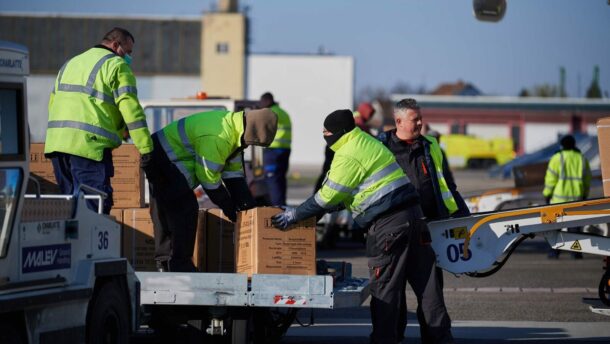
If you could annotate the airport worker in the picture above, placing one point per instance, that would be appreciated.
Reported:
(277, 156)
(93, 104)
(422, 160)
(567, 179)
(365, 178)
(421, 157)
(361, 117)
(204, 148)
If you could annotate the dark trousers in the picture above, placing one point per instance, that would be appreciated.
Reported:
(399, 251)
(275, 163)
(71, 171)
(173, 209)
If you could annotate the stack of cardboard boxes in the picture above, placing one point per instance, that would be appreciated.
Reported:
(254, 244)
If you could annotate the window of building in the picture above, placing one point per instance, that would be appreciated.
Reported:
(222, 48)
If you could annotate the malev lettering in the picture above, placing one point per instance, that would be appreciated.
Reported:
(40, 258)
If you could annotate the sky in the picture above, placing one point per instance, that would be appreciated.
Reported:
(417, 42)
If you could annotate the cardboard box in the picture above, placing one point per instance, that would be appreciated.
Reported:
(215, 241)
(117, 214)
(262, 249)
(127, 183)
(41, 170)
(138, 243)
(603, 139)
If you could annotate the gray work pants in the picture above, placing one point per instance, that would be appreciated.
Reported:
(399, 251)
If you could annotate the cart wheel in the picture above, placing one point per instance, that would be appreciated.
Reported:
(604, 289)
(108, 317)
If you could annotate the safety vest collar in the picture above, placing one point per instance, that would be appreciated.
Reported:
(345, 139)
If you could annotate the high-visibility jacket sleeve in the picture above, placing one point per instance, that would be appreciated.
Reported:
(126, 98)
(234, 168)
(552, 176)
(344, 177)
(211, 154)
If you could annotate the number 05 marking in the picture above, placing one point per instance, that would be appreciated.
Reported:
(455, 252)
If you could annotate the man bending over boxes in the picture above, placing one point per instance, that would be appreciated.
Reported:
(204, 148)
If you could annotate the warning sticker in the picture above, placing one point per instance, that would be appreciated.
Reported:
(576, 246)
(458, 233)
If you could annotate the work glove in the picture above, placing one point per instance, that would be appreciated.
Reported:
(284, 219)
(146, 163)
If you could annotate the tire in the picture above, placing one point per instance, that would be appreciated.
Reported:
(108, 316)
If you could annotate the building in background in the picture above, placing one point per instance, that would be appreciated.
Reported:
(175, 57)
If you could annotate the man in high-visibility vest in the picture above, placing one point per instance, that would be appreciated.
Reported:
(204, 148)
(277, 156)
(422, 160)
(365, 178)
(567, 179)
(93, 105)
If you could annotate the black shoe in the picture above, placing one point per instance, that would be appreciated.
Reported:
(162, 266)
(179, 265)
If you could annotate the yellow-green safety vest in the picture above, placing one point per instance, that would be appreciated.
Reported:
(283, 136)
(200, 146)
(437, 159)
(94, 99)
(363, 171)
(567, 178)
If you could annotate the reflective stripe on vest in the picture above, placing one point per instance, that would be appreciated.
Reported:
(366, 203)
(125, 89)
(86, 127)
(437, 159)
(367, 182)
(137, 125)
(362, 207)
(87, 89)
(173, 158)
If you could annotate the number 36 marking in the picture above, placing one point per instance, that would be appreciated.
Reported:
(103, 240)
(454, 253)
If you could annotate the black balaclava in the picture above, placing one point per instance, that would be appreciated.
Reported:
(567, 142)
(339, 122)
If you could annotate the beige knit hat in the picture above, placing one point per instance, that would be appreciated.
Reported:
(260, 128)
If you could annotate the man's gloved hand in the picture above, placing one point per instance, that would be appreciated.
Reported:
(146, 162)
(284, 219)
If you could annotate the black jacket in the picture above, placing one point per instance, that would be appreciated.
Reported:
(416, 161)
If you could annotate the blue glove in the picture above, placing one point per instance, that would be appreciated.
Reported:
(284, 219)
